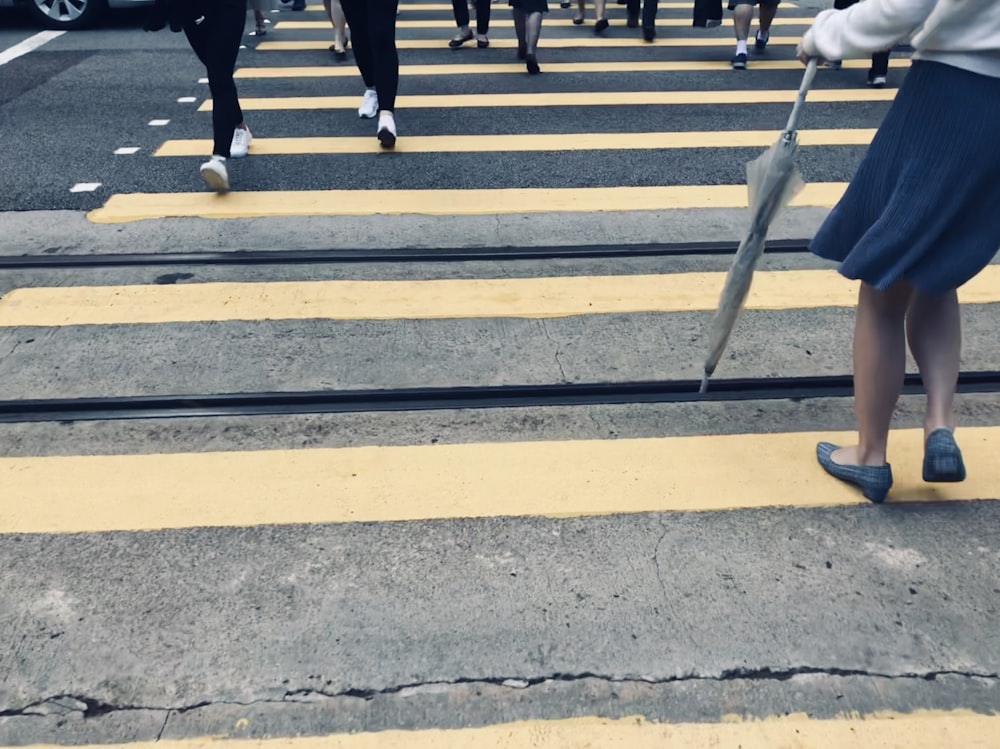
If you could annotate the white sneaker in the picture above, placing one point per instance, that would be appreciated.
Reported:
(215, 175)
(369, 105)
(240, 146)
(386, 130)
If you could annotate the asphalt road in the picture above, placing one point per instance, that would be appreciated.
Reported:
(317, 574)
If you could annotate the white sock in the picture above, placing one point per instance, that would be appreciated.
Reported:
(741, 47)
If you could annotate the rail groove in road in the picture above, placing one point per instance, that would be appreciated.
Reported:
(403, 255)
(447, 398)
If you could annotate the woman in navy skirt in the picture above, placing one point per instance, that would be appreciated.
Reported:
(920, 218)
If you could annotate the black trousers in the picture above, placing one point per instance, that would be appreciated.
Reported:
(880, 60)
(648, 11)
(216, 41)
(461, 8)
(373, 37)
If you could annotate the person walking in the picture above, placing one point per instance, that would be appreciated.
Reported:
(879, 70)
(742, 18)
(528, 26)
(215, 38)
(373, 37)
(918, 220)
(461, 10)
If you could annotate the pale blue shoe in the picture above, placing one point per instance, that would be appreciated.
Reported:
(874, 481)
(942, 459)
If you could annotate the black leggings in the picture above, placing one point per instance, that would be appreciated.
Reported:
(880, 60)
(648, 12)
(373, 37)
(461, 8)
(216, 41)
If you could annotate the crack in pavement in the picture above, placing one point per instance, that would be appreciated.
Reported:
(94, 708)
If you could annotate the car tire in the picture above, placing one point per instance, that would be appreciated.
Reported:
(67, 14)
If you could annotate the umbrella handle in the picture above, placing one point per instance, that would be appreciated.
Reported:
(807, 80)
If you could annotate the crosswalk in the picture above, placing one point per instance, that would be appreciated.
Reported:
(635, 129)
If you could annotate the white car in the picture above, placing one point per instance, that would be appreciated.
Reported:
(71, 14)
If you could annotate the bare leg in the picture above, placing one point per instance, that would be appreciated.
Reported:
(742, 16)
(879, 368)
(600, 10)
(934, 330)
(766, 17)
(580, 9)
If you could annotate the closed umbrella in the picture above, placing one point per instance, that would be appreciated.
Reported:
(772, 181)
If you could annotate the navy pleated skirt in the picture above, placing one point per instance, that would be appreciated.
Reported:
(924, 206)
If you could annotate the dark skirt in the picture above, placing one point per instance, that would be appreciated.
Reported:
(530, 6)
(924, 206)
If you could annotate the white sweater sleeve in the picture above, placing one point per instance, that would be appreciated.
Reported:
(867, 27)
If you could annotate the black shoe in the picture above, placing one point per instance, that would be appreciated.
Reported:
(632, 22)
(601, 26)
(531, 62)
(739, 62)
(648, 33)
(760, 43)
(460, 39)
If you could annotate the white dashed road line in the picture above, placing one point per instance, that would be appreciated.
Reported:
(28, 45)
(85, 187)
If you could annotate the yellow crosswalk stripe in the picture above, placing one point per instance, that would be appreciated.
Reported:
(595, 42)
(539, 142)
(90, 494)
(638, 66)
(923, 729)
(506, 23)
(544, 297)
(568, 99)
(141, 206)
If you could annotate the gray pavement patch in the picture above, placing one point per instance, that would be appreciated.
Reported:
(367, 611)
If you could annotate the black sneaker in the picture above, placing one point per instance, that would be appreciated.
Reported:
(739, 62)
(760, 42)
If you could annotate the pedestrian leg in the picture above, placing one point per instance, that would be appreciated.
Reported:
(460, 8)
(356, 12)
(879, 69)
(879, 369)
(600, 8)
(934, 331)
(649, 8)
(742, 16)
(382, 32)
(335, 12)
(520, 29)
(533, 28)
(483, 10)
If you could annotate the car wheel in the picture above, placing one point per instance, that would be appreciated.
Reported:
(67, 14)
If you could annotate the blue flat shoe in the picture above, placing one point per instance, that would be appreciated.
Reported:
(942, 459)
(874, 481)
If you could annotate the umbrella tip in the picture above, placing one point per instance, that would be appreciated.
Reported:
(704, 384)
